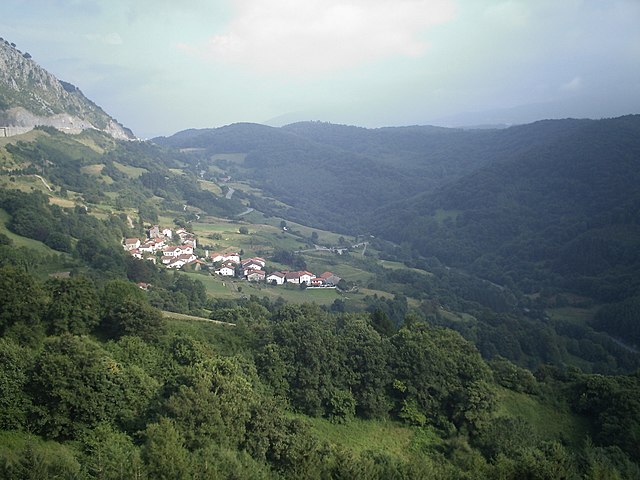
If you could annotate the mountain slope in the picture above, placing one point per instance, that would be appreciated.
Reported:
(30, 96)
(562, 213)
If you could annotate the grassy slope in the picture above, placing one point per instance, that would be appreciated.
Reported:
(549, 421)
(366, 435)
(20, 241)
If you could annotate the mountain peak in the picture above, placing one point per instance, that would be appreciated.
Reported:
(30, 96)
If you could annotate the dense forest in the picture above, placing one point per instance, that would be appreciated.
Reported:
(95, 384)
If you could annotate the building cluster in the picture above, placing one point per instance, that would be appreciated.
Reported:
(254, 270)
(174, 248)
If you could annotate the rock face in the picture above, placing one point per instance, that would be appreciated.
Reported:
(31, 96)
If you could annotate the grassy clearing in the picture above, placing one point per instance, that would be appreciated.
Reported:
(191, 318)
(218, 287)
(320, 296)
(210, 186)
(95, 169)
(62, 202)
(24, 183)
(20, 241)
(547, 420)
(25, 137)
(129, 171)
(365, 435)
(579, 316)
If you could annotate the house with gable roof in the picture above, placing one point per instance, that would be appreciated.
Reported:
(276, 277)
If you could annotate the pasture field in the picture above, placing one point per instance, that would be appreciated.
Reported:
(129, 171)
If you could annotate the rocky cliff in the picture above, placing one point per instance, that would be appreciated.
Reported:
(30, 96)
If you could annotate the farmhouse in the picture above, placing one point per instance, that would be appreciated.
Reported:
(299, 277)
(276, 277)
(131, 244)
(228, 269)
(224, 257)
(256, 276)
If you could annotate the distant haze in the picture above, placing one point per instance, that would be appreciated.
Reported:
(161, 66)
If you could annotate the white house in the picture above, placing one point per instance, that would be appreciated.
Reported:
(228, 269)
(276, 277)
(225, 257)
(299, 277)
(256, 276)
(176, 263)
(251, 265)
(257, 261)
(167, 232)
(173, 251)
(187, 257)
(131, 243)
(306, 277)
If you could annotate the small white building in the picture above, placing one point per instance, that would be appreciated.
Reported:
(131, 244)
(256, 276)
(228, 269)
(276, 277)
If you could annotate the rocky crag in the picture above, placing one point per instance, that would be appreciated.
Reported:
(31, 96)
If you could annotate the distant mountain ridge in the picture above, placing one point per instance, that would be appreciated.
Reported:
(31, 96)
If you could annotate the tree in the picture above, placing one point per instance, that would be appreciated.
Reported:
(164, 452)
(21, 299)
(74, 306)
(111, 455)
(134, 317)
(442, 374)
(15, 362)
(243, 230)
(75, 385)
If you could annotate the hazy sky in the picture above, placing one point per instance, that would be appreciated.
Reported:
(162, 66)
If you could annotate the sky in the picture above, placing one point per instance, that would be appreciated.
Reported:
(161, 66)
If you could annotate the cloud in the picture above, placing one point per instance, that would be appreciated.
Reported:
(317, 36)
(573, 85)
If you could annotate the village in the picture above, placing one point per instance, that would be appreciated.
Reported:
(176, 249)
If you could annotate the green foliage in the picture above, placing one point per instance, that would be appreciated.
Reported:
(164, 452)
(110, 454)
(15, 364)
(133, 317)
(513, 377)
(32, 458)
(21, 299)
(443, 375)
(613, 404)
(621, 319)
(76, 385)
(74, 306)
